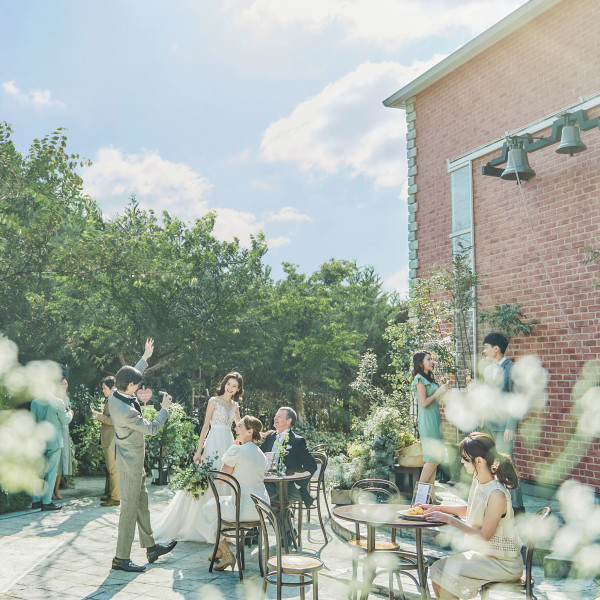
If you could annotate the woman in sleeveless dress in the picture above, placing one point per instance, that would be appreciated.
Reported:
(430, 422)
(493, 547)
(247, 463)
(181, 520)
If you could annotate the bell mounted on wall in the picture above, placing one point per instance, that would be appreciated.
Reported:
(517, 147)
(517, 165)
(570, 141)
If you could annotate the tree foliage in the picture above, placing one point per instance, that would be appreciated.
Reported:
(86, 290)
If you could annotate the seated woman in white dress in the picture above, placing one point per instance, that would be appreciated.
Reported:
(246, 463)
(493, 545)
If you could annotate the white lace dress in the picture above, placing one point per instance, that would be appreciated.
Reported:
(498, 559)
(182, 520)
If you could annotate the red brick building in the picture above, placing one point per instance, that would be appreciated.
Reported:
(519, 78)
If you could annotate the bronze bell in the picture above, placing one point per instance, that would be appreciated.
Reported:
(570, 142)
(517, 163)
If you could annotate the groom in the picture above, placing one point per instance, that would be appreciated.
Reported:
(298, 458)
(130, 427)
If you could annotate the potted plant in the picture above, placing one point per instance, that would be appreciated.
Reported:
(409, 452)
(339, 477)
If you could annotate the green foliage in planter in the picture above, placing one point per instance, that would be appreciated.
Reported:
(405, 439)
(380, 434)
(175, 444)
(335, 441)
(88, 452)
(341, 472)
(13, 502)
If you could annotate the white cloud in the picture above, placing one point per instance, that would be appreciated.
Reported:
(345, 126)
(397, 282)
(158, 183)
(390, 24)
(288, 213)
(262, 186)
(232, 223)
(279, 241)
(36, 98)
(242, 157)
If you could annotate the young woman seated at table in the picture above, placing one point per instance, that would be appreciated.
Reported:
(246, 462)
(493, 548)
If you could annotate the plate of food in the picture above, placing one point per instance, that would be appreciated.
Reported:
(414, 513)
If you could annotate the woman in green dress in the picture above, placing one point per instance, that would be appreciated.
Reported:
(430, 421)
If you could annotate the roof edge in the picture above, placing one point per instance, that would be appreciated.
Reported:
(510, 23)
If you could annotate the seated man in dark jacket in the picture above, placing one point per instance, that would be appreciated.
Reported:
(298, 458)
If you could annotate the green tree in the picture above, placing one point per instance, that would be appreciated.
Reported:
(42, 209)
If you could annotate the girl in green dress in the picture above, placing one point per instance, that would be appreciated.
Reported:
(430, 421)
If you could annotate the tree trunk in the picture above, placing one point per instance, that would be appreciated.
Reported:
(298, 402)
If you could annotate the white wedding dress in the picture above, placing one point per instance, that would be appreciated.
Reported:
(182, 520)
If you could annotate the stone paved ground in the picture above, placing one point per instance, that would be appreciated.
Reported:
(67, 554)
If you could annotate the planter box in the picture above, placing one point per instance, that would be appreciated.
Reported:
(340, 496)
(14, 502)
(411, 456)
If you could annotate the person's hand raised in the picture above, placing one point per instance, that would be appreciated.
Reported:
(148, 349)
(166, 401)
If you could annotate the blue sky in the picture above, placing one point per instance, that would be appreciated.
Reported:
(267, 111)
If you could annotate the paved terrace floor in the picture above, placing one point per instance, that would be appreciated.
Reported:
(67, 555)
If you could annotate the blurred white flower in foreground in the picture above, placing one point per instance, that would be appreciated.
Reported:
(576, 539)
(22, 446)
(22, 440)
(483, 402)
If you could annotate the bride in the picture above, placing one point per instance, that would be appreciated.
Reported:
(181, 520)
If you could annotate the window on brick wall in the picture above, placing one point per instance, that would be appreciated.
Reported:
(462, 241)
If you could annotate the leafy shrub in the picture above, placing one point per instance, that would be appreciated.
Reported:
(336, 441)
(13, 502)
(341, 472)
(89, 456)
(175, 444)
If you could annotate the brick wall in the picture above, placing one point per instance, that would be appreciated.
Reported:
(529, 75)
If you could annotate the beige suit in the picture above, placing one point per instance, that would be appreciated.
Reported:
(130, 428)
(107, 433)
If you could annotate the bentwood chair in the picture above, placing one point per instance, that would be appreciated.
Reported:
(236, 530)
(303, 569)
(319, 448)
(371, 491)
(521, 585)
(314, 480)
(319, 486)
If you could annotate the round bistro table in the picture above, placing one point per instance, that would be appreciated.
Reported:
(284, 504)
(386, 515)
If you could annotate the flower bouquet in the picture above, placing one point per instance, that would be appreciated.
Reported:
(194, 479)
(281, 452)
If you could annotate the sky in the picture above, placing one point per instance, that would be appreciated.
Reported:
(267, 111)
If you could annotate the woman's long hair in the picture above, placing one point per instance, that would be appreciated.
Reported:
(418, 359)
(478, 444)
(233, 375)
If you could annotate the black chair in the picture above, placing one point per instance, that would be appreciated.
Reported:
(526, 584)
(318, 487)
(236, 530)
(304, 567)
(371, 491)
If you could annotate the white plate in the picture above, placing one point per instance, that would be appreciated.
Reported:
(402, 514)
